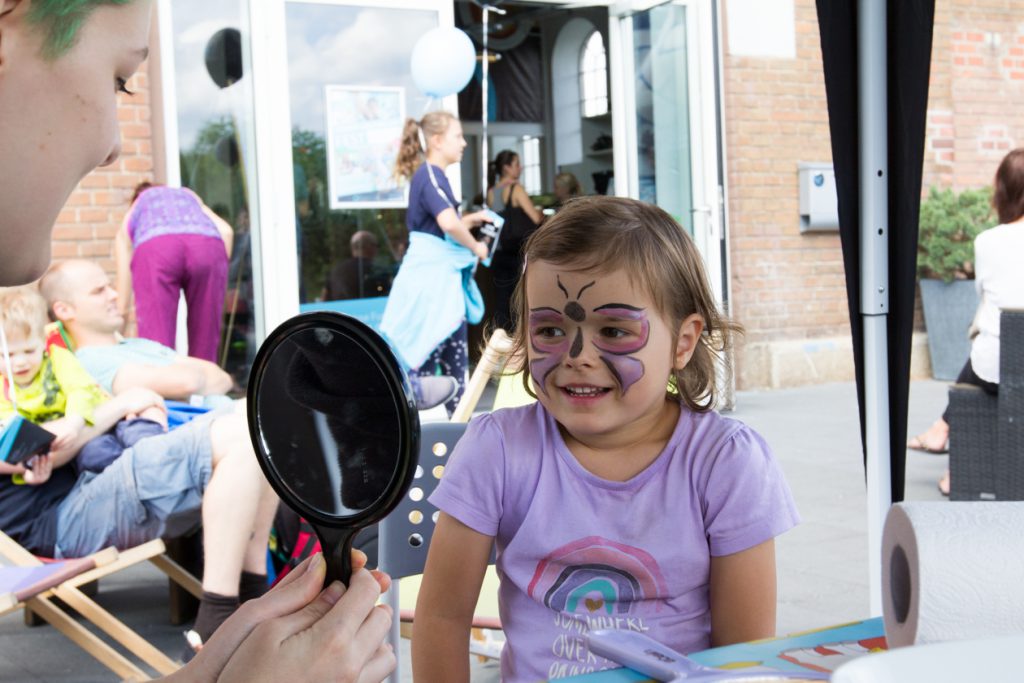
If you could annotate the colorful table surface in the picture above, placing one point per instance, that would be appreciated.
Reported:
(818, 650)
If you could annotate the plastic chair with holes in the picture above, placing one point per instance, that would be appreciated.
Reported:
(405, 536)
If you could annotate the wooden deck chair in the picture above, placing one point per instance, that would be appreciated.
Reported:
(33, 588)
(405, 536)
(103, 563)
(491, 362)
(182, 583)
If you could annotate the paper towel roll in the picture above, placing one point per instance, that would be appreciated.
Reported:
(952, 571)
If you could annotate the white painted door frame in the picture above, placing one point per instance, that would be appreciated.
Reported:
(704, 93)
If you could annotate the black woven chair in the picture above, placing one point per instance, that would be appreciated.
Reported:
(986, 433)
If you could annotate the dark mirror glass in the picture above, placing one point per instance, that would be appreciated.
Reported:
(334, 426)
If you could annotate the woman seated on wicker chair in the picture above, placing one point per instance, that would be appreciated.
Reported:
(1000, 282)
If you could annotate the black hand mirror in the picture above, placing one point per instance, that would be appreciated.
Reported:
(334, 426)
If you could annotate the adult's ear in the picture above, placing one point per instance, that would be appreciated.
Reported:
(63, 311)
(689, 336)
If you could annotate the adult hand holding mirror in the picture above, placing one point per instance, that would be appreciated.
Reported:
(334, 426)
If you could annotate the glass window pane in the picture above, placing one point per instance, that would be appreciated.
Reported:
(594, 76)
(215, 117)
(350, 225)
(529, 153)
(662, 111)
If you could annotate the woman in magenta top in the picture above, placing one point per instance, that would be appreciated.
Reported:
(171, 242)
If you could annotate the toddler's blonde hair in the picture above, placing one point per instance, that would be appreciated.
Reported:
(23, 312)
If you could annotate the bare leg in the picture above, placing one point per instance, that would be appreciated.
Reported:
(237, 507)
(255, 559)
(934, 440)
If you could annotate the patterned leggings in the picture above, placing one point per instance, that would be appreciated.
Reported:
(451, 357)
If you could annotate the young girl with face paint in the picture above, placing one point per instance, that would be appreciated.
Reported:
(619, 499)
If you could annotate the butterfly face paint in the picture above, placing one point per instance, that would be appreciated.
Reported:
(555, 335)
(617, 347)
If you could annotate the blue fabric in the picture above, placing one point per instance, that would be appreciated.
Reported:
(425, 203)
(432, 294)
(179, 412)
(99, 452)
(130, 501)
(103, 362)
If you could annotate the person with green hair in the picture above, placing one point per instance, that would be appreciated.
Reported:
(62, 65)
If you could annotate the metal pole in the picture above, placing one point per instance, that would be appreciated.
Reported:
(484, 156)
(485, 83)
(874, 274)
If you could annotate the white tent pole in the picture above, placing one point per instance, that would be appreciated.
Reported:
(874, 274)
(485, 86)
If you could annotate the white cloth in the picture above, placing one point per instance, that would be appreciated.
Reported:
(1000, 282)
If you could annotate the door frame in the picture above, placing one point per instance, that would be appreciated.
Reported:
(706, 135)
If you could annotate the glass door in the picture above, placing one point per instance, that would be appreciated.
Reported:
(664, 96)
(336, 91)
(207, 145)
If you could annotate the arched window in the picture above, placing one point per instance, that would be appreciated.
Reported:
(594, 76)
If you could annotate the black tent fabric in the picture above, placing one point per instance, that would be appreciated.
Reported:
(909, 43)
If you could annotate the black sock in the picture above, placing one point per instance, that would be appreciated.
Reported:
(213, 611)
(251, 586)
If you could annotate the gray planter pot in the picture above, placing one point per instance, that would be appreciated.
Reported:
(948, 311)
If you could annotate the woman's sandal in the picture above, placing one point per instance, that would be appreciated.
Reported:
(918, 443)
(944, 484)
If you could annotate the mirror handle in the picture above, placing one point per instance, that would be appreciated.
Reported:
(337, 548)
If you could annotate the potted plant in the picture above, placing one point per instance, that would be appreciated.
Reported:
(949, 223)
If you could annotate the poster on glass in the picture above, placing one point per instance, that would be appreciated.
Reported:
(364, 131)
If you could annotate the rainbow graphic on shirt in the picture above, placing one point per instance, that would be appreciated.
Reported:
(597, 576)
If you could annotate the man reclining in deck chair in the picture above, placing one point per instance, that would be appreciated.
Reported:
(81, 299)
(79, 296)
(206, 465)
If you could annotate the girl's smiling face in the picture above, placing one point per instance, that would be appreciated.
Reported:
(600, 354)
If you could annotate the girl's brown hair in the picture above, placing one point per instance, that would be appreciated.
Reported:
(140, 188)
(1008, 197)
(605, 234)
(411, 152)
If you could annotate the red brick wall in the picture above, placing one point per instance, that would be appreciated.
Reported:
(976, 102)
(86, 226)
(788, 287)
(785, 285)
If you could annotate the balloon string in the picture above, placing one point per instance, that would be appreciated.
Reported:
(430, 101)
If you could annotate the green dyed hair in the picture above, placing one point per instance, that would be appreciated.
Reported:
(60, 20)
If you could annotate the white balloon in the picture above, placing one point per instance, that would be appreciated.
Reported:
(443, 61)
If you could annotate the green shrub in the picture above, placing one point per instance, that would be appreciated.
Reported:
(948, 225)
(544, 201)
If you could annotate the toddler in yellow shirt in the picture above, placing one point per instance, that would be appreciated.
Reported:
(49, 386)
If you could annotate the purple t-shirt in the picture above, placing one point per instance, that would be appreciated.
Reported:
(577, 552)
(425, 202)
(162, 210)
